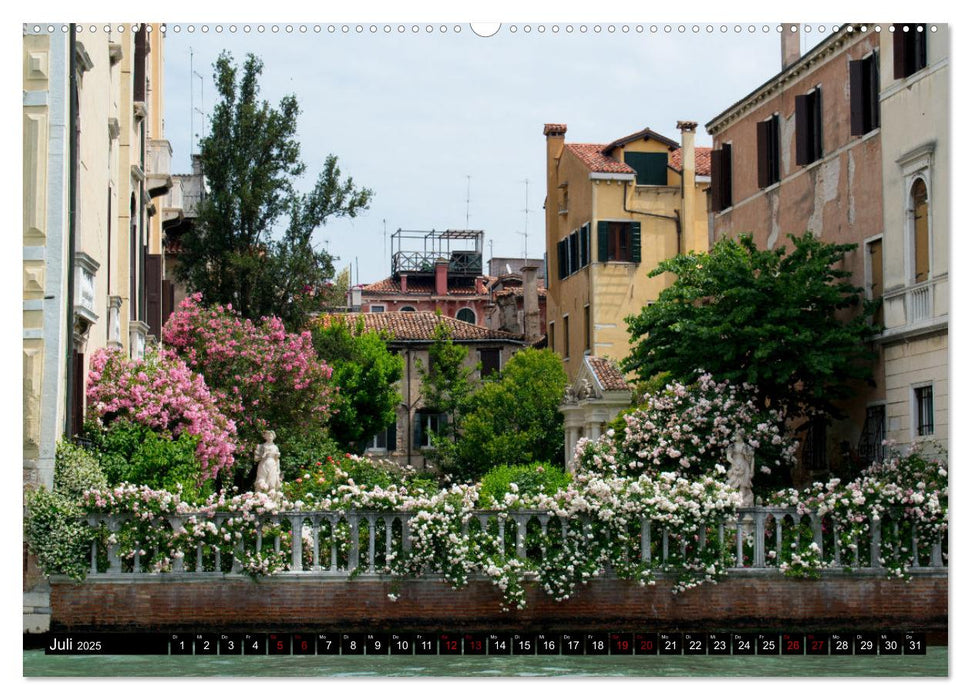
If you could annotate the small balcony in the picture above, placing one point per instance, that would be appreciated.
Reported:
(915, 308)
(158, 167)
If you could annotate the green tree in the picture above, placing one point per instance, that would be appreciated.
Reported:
(515, 419)
(365, 373)
(239, 252)
(787, 321)
(446, 383)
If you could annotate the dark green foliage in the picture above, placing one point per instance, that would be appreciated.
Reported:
(446, 384)
(530, 479)
(787, 321)
(76, 470)
(55, 533)
(135, 454)
(299, 452)
(53, 529)
(514, 419)
(251, 159)
(365, 373)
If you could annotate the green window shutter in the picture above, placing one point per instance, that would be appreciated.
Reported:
(652, 168)
(635, 241)
(602, 241)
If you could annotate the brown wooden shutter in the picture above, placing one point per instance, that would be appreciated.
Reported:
(858, 99)
(77, 398)
(168, 299)
(803, 127)
(899, 52)
(153, 293)
(726, 175)
(872, 74)
(763, 138)
(716, 181)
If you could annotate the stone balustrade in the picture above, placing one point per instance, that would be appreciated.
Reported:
(345, 544)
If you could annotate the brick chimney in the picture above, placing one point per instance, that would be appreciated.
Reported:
(790, 45)
(404, 282)
(441, 277)
(530, 305)
(687, 182)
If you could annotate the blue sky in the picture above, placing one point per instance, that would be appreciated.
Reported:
(429, 120)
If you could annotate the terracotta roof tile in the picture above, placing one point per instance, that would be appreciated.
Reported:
(419, 287)
(592, 156)
(607, 373)
(702, 160)
(420, 325)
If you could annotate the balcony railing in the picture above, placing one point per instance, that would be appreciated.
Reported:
(345, 544)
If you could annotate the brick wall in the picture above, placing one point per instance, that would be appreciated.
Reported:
(744, 601)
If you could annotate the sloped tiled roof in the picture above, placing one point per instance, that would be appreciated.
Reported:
(592, 156)
(607, 373)
(638, 135)
(419, 287)
(420, 325)
(702, 160)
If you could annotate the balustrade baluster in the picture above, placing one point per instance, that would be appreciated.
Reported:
(406, 533)
(178, 565)
(664, 546)
(875, 536)
(333, 543)
(388, 527)
(296, 549)
(521, 522)
(199, 551)
(645, 539)
(354, 557)
(372, 520)
(836, 544)
(913, 544)
(739, 552)
(759, 554)
(315, 529)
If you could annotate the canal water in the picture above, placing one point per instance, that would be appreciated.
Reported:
(933, 664)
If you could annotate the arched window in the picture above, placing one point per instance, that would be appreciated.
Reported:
(466, 314)
(407, 308)
(919, 223)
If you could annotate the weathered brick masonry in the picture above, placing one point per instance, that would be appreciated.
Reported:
(743, 601)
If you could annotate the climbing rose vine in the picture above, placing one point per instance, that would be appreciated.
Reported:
(687, 429)
(260, 375)
(162, 393)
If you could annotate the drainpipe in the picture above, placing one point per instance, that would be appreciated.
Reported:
(72, 220)
(676, 218)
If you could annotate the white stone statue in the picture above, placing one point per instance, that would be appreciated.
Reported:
(268, 472)
(741, 456)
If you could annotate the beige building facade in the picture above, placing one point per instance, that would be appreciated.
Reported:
(92, 104)
(613, 212)
(915, 108)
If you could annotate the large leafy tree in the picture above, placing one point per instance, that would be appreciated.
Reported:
(446, 383)
(365, 374)
(787, 321)
(515, 419)
(252, 246)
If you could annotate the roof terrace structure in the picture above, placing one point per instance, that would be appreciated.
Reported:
(416, 252)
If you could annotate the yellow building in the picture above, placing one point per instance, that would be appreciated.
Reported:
(613, 212)
(93, 165)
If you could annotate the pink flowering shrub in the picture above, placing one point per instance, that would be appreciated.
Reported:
(260, 375)
(163, 394)
(687, 429)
